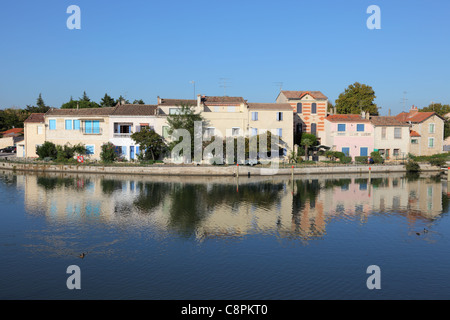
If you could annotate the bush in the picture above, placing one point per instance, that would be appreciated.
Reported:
(67, 152)
(376, 156)
(412, 166)
(346, 159)
(108, 153)
(47, 150)
(361, 159)
(333, 155)
(438, 162)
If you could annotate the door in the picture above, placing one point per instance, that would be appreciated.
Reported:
(132, 152)
(313, 128)
(346, 151)
(364, 152)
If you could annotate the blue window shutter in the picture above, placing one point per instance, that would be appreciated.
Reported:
(89, 149)
(96, 126)
(88, 126)
(346, 151)
(68, 125)
(363, 152)
(124, 150)
(52, 124)
(360, 127)
(137, 150)
(76, 124)
(341, 127)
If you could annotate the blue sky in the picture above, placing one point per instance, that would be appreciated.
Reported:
(145, 49)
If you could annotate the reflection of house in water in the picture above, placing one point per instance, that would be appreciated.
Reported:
(207, 207)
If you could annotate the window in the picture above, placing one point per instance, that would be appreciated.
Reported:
(299, 107)
(90, 149)
(397, 133)
(360, 127)
(341, 127)
(279, 116)
(431, 128)
(68, 124)
(313, 107)
(39, 130)
(383, 133)
(414, 141)
(363, 151)
(280, 132)
(254, 132)
(396, 152)
(235, 131)
(254, 116)
(174, 110)
(430, 142)
(92, 126)
(313, 128)
(231, 109)
(52, 124)
(165, 132)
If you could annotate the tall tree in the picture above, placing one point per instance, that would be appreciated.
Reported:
(308, 140)
(140, 101)
(356, 98)
(85, 97)
(152, 144)
(122, 100)
(107, 101)
(39, 108)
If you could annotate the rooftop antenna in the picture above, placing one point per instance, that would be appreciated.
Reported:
(193, 82)
(404, 101)
(279, 84)
(224, 85)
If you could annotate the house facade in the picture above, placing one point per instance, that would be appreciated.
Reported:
(352, 134)
(310, 111)
(34, 136)
(88, 126)
(426, 131)
(391, 137)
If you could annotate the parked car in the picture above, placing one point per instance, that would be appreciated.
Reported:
(10, 149)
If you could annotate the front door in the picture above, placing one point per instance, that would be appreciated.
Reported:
(132, 152)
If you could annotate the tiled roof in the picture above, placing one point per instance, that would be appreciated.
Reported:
(413, 133)
(386, 121)
(36, 118)
(217, 100)
(135, 110)
(177, 102)
(346, 118)
(300, 94)
(81, 112)
(269, 106)
(414, 117)
(12, 131)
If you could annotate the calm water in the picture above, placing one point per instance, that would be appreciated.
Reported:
(219, 238)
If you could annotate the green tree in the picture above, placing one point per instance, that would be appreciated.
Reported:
(152, 144)
(308, 140)
(108, 153)
(85, 97)
(40, 107)
(356, 98)
(184, 119)
(107, 101)
(47, 150)
(140, 101)
(122, 100)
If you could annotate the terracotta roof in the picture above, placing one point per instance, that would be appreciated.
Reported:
(346, 118)
(386, 121)
(36, 118)
(413, 133)
(81, 112)
(300, 94)
(414, 117)
(269, 106)
(12, 131)
(177, 102)
(135, 110)
(217, 100)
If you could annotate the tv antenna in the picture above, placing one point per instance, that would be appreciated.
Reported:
(279, 84)
(193, 82)
(404, 101)
(224, 85)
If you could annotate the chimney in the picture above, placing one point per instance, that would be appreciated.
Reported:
(363, 114)
(199, 100)
(389, 112)
(367, 115)
(413, 110)
(159, 100)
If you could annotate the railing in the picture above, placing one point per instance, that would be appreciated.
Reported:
(122, 135)
(93, 131)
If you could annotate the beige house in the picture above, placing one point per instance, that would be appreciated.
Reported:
(391, 137)
(34, 135)
(88, 126)
(426, 131)
(234, 116)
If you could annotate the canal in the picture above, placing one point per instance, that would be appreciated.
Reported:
(259, 238)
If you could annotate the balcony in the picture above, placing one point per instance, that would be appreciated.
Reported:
(351, 134)
(92, 131)
(122, 135)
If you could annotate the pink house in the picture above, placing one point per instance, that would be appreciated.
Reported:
(352, 134)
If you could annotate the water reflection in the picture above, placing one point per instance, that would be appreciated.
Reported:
(208, 207)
